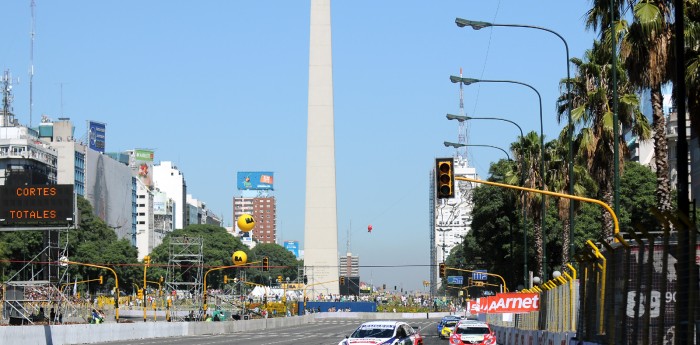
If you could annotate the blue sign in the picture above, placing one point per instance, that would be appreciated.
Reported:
(255, 180)
(479, 275)
(292, 246)
(96, 136)
(457, 280)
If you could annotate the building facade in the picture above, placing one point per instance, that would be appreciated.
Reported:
(450, 219)
(170, 180)
(264, 211)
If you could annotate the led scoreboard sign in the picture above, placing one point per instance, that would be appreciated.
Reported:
(36, 205)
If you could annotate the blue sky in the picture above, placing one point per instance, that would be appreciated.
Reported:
(221, 86)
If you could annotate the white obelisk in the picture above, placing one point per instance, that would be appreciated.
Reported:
(321, 225)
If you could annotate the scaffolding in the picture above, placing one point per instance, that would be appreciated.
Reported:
(185, 277)
(32, 295)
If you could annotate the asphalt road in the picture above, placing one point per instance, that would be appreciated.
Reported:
(321, 332)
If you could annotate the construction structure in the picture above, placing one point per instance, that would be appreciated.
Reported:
(185, 275)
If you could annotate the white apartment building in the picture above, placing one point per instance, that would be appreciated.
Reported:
(145, 234)
(168, 179)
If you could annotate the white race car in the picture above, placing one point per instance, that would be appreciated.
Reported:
(384, 333)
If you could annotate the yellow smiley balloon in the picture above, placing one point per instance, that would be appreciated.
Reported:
(246, 222)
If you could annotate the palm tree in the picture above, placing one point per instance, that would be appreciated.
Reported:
(528, 155)
(558, 181)
(692, 64)
(592, 114)
(646, 51)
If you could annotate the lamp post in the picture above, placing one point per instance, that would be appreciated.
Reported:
(464, 118)
(476, 25)
(456, 145)
(469, 81)
(522, 181)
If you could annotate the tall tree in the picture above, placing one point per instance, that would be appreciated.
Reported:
(528, 155)
(558, 181)
(647, 51)
(592, 114)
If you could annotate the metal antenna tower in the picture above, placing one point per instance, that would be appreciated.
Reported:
(461, 136)
(31, 64)
(7, 118)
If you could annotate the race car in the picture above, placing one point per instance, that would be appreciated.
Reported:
(447, 329)
(384, 333)
(472, 332)
(444, 320)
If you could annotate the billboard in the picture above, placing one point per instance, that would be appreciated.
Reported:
(160, 203)
(96, 136)
(255, 180)
(292, 246)
(142, 164)
(36, 205)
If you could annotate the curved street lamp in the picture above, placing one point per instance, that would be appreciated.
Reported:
(469, 81)
(456, 145)
(476, 25)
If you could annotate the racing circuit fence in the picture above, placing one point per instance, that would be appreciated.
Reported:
(622, 293)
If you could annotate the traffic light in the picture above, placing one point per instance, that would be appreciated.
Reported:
(139, 294)
(342, 280)
(305, 280)
(442, 270)
(444, 177)
(279, 279)
(101, 281)
(147, 260)
(266, 264)
(225, 279)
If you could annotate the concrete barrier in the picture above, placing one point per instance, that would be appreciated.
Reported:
(91, 333)
(112, 331)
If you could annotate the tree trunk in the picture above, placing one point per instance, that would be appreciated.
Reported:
(608, 223)
(539, 246)
(663, 185)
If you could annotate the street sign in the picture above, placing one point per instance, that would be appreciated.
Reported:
(457, 280)
(479, 275)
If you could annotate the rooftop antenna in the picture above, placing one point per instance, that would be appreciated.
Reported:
(7, 117)
(31, 64)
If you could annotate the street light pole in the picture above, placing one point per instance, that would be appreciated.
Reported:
(464, 118)
(476, 25)
(469, 81)
(522, 182)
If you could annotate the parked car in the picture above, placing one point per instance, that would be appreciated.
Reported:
(384, 332)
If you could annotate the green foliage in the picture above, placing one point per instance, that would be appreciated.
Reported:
(282, 263)
(217, 251)
(637, 197)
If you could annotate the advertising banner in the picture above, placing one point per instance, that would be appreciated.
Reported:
(143, 165)
(255, 180)
(506, 303)
(96, 136)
